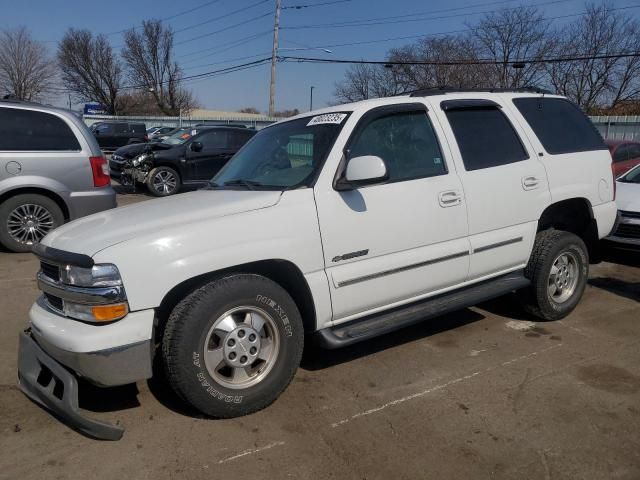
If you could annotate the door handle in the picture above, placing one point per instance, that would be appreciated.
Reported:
(449, 198)
(530, 182)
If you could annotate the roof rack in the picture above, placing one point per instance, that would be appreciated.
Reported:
(442, 90)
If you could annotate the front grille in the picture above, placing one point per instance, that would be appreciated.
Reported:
(630, 214)
(50, 271)
(628, 230)
(54, 302)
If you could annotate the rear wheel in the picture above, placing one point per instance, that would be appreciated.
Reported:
(558, 270)
(163, 181)
(26, 219)
(231, 347)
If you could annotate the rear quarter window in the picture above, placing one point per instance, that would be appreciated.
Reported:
(29, 131)
(560, 125)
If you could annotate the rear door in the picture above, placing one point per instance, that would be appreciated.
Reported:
(505, 184)
(121, 135)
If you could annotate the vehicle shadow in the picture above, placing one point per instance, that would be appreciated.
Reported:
(509, 306)
(629, 290)
(628, 257)
(316, 358)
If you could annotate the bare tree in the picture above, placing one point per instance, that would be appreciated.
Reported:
(26, 71)
(510, 36)
(286, 113)
(364, 81)
(249, 110)
(453, 51)
(597, 83)
(148, 54)
(90, 69)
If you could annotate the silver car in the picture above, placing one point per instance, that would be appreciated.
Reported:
(51, 171)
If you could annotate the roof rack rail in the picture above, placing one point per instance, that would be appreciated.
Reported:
(442, 90)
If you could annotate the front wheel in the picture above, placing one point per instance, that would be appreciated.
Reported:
(232, 346)
(558, 270)
(163, 181)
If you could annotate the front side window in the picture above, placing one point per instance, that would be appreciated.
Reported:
(560, 125)
(28, 130)
(285, 155)
(405, 141)
(485, 137)
(213, 139)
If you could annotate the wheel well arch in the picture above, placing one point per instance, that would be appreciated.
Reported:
(573, 215)
(283, 272)
(168, 164)
(39, 191)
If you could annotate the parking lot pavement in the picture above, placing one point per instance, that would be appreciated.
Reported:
(482, 393)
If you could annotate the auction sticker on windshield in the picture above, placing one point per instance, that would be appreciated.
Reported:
(335, 118)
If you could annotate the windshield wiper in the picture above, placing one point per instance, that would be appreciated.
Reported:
(250, 184)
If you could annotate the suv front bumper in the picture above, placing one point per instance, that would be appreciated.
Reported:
(52, 386)
(56, 349)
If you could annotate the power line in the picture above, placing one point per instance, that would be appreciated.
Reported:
(212, 20)
(299, 7)
(170, 17)
(450, 32)
(244, 22)
(231, 60)
(205, 74)
(386, 21)
(559, 59)
(231, 44)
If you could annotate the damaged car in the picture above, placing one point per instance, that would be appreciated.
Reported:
(189, 157)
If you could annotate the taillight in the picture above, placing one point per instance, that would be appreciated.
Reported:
(100, 171)
(146, 138)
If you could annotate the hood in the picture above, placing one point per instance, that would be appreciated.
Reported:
(135, 149)
(96, 232)
(628, 196)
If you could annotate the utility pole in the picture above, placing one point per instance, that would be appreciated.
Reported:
(311, 99)
(274, 59)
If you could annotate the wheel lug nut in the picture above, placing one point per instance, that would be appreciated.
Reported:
(231, 342)
(240, 333)
(252, 337)
(232, 355)
(243, 359)
(253, 350)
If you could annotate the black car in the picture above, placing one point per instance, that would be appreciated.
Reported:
(191, 156)
(112, 135)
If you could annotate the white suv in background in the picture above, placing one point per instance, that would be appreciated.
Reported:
(342, 224)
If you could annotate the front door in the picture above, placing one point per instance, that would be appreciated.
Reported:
(214, 154)
(403, 239)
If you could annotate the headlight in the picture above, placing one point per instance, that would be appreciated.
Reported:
(93, 294)
(101, 275)
(136, 162)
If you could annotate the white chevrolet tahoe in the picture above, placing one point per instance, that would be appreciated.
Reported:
(342, 224)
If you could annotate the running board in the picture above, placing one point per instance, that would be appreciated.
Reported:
(399, 317)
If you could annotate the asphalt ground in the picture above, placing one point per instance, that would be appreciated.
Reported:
(485, 392)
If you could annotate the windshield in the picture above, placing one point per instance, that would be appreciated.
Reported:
(283, 156)
(179, 137)
(633, 176)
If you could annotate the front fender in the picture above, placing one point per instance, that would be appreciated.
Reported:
(152, 264)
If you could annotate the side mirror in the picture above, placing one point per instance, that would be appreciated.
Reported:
(364, 170)
(196, 147)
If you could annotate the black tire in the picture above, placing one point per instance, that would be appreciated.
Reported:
(183, 344)
(157, 189)
(549, 246)
(28, 201)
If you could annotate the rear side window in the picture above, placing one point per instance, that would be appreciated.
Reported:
(29, 131)
(138, 128)
(560, 125)
(485, 137)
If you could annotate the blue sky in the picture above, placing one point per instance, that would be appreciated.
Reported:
(247, 36)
